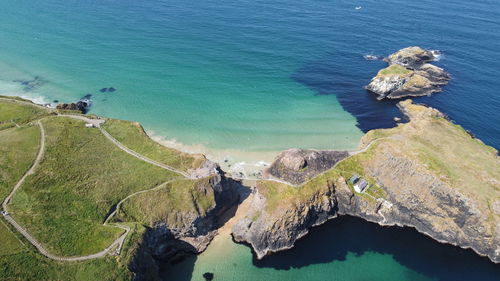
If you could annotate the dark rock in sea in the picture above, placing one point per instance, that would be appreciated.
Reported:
(111, 89)
(298, 165)
(56, 101)
(409, 74)
(30, 84)
(103, 90)
(82, 105)
(208, 276)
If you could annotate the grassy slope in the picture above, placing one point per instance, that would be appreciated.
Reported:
(18, 149)
(12, 113)
(450, 153)
(279, 195)
(132, 135)
(394, 69)
(81, 176)
(163, 204)
(32, 266)
(9, 241)
(19, 262)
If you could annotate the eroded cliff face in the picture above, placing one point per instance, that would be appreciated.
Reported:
(273, 230)
(185, 231)
(418, 179)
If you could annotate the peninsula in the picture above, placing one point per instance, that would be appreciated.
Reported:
(85, 195)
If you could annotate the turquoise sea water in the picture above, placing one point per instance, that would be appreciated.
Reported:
(248, 78)
(249, 75)
(344, 249)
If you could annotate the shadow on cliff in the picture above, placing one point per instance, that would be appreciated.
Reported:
(335, 239)
(181, 266)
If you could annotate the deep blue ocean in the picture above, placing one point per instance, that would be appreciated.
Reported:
(241, 80)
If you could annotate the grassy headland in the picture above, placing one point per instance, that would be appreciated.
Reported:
(79, 179)
(133, 136)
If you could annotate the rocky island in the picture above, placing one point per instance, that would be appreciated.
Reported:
(429, 174)
(409, 74)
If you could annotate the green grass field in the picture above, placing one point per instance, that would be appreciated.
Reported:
(81, 177)
(31, 266)
(12, 113)
(10, 244)
(132, 135)
(163, 204)
(394, 69)
(18, 150)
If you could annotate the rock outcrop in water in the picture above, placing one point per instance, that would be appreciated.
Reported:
(298, 165)
(409, 74)
(428, 174)
(82, 105)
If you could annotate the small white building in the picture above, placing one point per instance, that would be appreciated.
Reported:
(89, 125)
(360, 185)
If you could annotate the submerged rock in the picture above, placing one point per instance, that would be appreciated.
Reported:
(208, 276)
(110, 90)
(30, 84)
(409, 74)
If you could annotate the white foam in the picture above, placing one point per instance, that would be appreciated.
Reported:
(371, 57)
(261, 164)
(437, 55)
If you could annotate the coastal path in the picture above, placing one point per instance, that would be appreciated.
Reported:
(97, 123)
(117, 244)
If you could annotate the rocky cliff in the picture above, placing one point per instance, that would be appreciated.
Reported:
(298, 165)
(428, 174)
(409, 74)
(186, 228)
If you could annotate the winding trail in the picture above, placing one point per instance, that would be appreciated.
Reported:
(112, 214)
(118, 243)
(97, 123)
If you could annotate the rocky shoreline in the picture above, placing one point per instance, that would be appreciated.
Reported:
(411, 194)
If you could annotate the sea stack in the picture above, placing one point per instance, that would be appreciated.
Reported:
(409, 74)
